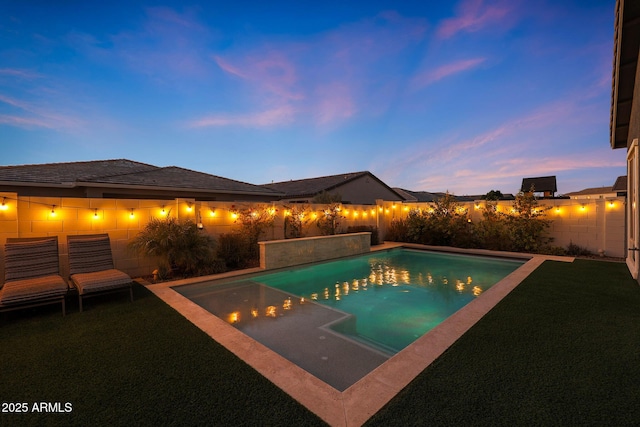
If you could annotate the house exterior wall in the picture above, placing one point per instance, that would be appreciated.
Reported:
(364, 191)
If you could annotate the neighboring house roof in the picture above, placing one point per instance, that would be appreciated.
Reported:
(418, 196)
(625, 61)
(311, 186)
(540, 184)
(67, 173)
(590, 191)
(125, 174)
(620, 185)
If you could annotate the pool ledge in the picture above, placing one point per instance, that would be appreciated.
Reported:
(383, 383)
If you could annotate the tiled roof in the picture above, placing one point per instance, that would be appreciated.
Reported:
(176, 177)
(593, 190)
(418, 196)
(124, 173)
(540, 184)
(64, 173)
(313, 186)
(620, 184)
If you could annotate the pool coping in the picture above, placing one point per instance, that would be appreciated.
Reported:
(348, 408)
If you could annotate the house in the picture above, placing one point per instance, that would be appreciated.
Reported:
(418, 196)
(592, 193)
(619, 188)
(362, 188)
(546, 185)
(625, 116)
(126, 179)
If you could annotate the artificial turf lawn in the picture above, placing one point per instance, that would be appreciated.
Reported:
(562, 349)
(122, 364)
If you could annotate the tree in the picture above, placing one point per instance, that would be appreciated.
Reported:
(493, 195)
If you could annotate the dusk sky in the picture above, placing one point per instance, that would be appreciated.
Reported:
(465, 96)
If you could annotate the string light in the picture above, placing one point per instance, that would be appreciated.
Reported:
(3, 206)
(95, 214)
(132, 215)
(53, 210)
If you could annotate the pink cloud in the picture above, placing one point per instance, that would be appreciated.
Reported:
(24, 122)
(473, 15)
(271, 71)
(432, 76)
(278, 116)
(19, 73)
(38, 116)
(328, 77)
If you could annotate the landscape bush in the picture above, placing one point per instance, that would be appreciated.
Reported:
(233, 249)
(179, 246)
(253, 222)
(447, 223)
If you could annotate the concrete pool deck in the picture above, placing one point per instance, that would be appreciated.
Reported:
(355, 405)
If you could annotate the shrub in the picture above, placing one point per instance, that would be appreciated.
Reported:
(554, 250)
(447, 224)
(576, 250)
(375, 240)
(397, 231)
(233, 249)
(253, 223)
(180, 247)
(527, 225)
(492, 232)
(296, 218)
(329, 222)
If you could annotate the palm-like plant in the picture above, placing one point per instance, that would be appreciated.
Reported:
(178, 245)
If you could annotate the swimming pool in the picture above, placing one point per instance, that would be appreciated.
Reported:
(339, 320)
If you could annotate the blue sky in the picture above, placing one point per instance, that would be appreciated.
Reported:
(465, 96)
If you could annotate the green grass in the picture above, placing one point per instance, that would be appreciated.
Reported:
(562, 349)
(122, 364)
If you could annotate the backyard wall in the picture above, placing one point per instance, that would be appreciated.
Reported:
(596, 224)
(592, 224)
(285, 253)
(122, 219)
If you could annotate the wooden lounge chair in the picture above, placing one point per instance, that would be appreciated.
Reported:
(32, 274)
(91, 267)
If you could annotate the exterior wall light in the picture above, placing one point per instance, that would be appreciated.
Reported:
(132, 215)
(95, 214)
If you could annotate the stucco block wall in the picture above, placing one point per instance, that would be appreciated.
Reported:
(286, 253)
(598, 225)
(595, 224)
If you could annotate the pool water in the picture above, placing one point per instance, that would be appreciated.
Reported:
(396, 296)
(339, 320)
